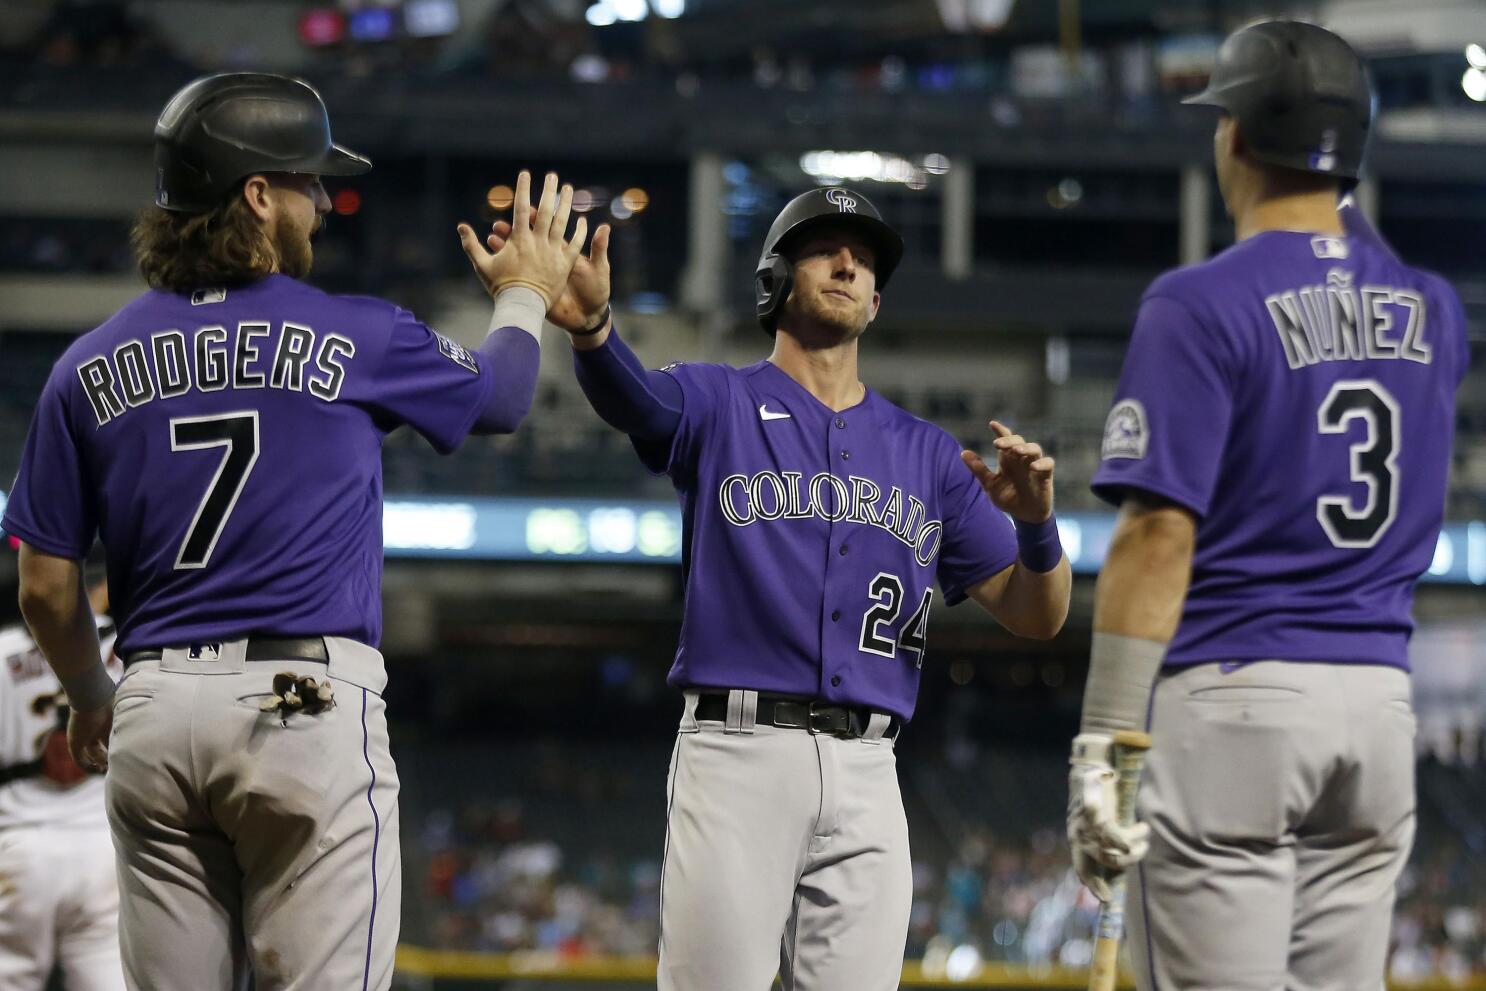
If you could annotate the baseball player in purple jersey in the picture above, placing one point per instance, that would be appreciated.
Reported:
(1278, 446)
(222, 434)
(818, 519)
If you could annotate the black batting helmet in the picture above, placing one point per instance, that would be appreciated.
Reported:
(221, 128)
(831, 207)
(1299, 93)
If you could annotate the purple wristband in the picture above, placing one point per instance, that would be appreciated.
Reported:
(1037, 545)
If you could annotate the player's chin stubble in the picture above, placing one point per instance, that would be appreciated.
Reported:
(818, 325)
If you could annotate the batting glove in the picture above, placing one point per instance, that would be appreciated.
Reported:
(1102, 848)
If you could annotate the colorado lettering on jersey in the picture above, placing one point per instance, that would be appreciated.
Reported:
(170, 365)
(770, 495)
(1342, 322)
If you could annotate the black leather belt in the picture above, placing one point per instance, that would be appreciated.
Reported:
(796, 713)
(259, 649)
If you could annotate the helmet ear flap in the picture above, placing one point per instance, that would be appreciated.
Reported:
(771, 285)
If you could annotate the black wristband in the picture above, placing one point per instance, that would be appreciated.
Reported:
(603, 322)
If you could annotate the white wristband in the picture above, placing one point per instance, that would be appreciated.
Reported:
(93, 689)
(1118, 692)
(519, 306)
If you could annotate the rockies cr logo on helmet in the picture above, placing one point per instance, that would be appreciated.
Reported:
(842, 199)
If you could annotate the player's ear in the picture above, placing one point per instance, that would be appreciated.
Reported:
(876, 305)
(258, 194)
(1233, 138)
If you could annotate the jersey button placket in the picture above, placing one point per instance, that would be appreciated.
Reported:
(837, 588)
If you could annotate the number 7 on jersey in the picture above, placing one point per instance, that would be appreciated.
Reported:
(238, 433)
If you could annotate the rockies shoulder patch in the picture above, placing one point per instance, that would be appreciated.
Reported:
(1126, 432)
(457, 353)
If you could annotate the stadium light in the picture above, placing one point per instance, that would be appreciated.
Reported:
(600, 15)
(668, 8)
(629, 10)
(347, 202)
(1474, 84)
(636, 199)
(500, 197)
(1476, 55)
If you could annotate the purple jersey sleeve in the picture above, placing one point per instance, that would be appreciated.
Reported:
(1172, 410)
(979, 541)
(49, 505)
(704, 390)
(644, 404)
(428, 382)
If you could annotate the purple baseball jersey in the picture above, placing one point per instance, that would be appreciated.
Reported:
(1297, 393)
(813, 538)
(226, 446)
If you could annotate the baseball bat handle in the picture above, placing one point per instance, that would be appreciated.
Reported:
(1106, 963)
(1130, 749)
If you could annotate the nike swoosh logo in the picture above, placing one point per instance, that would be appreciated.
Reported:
(764, 413)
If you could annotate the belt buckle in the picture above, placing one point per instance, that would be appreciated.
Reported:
(829, 722)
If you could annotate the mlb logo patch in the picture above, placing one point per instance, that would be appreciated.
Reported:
(1125, 431)
(204, 651)
(203, 296)
(457, 353)
(1324, 246)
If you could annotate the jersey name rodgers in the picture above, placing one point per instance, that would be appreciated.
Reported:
(814, 539)
(226, 446)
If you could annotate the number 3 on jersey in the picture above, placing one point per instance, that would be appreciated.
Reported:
(887, 592)
(1374, 461)
(238, 433)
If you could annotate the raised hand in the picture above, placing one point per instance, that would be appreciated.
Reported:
(535, 254)
(1022, 482)
(585, 299)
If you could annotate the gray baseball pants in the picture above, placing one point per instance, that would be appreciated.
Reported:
(785, 852)
(59, 904)
(246, 841)
(1280, 797)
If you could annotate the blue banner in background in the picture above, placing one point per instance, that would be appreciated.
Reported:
(596, 530)
(590, 530)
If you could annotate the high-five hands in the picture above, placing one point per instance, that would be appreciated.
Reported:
(1022, 482)
(535, 253)
(584, 302)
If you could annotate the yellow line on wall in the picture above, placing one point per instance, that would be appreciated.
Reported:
(464, 965)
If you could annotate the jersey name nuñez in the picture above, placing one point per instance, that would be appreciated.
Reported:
(1296, 393)
(1340, 321)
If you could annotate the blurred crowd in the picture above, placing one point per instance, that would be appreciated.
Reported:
(490, 884)
(546, 40)
(1438, 924)
(491, 887)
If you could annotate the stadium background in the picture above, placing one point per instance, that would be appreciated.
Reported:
(1035, 160)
